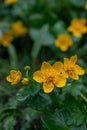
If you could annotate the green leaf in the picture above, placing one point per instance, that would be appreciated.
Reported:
(77, 117)
(13, 103)
(4, 26)
(73, 88)
(9, 123)
(78, 2)
(27, 91)
(51, 125)
(21, 8)
(41, 37)
(59, 28)
(82, 127)
(39, 101)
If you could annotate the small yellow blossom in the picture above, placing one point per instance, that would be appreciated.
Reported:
(85, 6)
(78, 27)
(63, 42)
(50, 76)
(72, 69)
(6, 39)
(14, 77)
(18, 29)
(25, 81)
(10, 1)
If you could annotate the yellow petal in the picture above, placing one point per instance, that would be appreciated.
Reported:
(13, 71)
(83, 21)
(37, 76)
(48, 87)
(64, 48)
(19, 73)
(77, 34)
(58, 66)
(57, 43)
(61, 82)
(45, 65)
(14, 83)
(66, 63)
(70, 28)
(25, 81)
(73, 75)
(8, 78)
(79, 70)
(73, 59)
(64, 74)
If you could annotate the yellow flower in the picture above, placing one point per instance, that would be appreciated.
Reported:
(72, 69)
(10, 1)
(85, 6)
(18, 29)
(63, 42)
(25, 81)
(14, 77)
(78, 27)
(50, 76)
(6, 38)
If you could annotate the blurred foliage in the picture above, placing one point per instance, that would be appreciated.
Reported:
(27, 107)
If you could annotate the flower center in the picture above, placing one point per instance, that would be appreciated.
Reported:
(78, 27)
(71, 71)
(50, 80)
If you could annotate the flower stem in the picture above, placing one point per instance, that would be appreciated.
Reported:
(83, 97)
(27, 73)
(13, 56)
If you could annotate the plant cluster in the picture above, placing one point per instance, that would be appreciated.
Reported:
(43, 65)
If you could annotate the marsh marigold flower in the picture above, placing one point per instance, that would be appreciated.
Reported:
(50, 76)
(72, 69)
(78, 27)
(14, 77)
(6, 38)
(18, 29)
(63, 42)
(25, 81)
(10, 1)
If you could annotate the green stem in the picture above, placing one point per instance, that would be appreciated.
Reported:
(44, 123)
(27, 73)
(13, 57)
(83, 97)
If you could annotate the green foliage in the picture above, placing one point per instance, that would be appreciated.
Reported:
(27, 107)
(9, 123)
(27, 91)
(78, 2)
(41, 37)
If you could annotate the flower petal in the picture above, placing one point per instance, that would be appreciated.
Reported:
(66, 63)
(79, 70)
(73, 59)
(74, 76)
(83, 21)
(13, 71)
(48, 87)
(64, 74)
(37, 76)
(64, 47)
(70, 28)
(77, 34)
(58, 66)
(45, 65)
(8, 78)
(61, 82)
